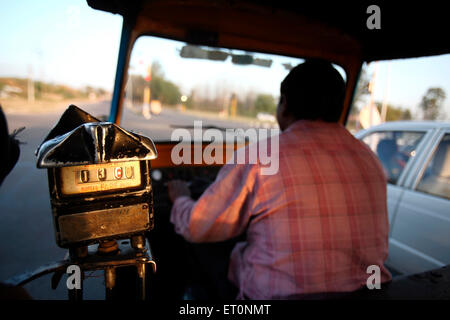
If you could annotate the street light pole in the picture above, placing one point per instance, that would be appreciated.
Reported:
(130, 75)
(30, 89)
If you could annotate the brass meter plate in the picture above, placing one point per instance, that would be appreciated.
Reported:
(100, 177)
(103, 223)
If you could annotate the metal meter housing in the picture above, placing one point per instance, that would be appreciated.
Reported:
(99, 180)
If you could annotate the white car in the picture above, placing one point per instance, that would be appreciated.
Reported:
(262, 116)
(416, 158)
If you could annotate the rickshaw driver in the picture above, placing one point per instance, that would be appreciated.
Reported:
(316, 225)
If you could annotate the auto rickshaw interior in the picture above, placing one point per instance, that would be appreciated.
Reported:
(218, 50)
(246, 35)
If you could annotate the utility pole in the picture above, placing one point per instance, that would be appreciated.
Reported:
(371, 90)
(146, 106)
(369, 115)
(30, 89)
(130, 84)
(233, 105)
(386, 93)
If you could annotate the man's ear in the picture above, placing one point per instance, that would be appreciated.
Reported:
(285, 112)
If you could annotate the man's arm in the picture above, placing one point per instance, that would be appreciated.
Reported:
(222, 212)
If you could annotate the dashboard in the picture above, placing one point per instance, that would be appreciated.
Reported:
(198, 177)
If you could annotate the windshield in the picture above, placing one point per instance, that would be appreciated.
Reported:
(173, 85)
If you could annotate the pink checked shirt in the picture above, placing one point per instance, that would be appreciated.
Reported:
(315, 226)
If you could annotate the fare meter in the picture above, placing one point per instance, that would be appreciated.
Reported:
(99, 180)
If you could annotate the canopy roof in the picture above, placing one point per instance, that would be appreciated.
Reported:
(337, 32)
(300, 28)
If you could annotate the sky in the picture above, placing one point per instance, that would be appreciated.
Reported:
(404, 82)
(59, 41)
(70, 43)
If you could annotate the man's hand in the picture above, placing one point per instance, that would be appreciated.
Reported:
(178, 188)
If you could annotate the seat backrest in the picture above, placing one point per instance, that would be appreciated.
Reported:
(386, 149)
(441, 164)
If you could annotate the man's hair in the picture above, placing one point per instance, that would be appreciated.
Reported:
(314, 90)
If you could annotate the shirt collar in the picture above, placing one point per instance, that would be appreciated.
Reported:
(311, 125)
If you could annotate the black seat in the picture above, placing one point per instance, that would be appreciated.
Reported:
(430, 285)
(387, 152)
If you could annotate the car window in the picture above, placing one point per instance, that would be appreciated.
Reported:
(394, 149)
(436, 177)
